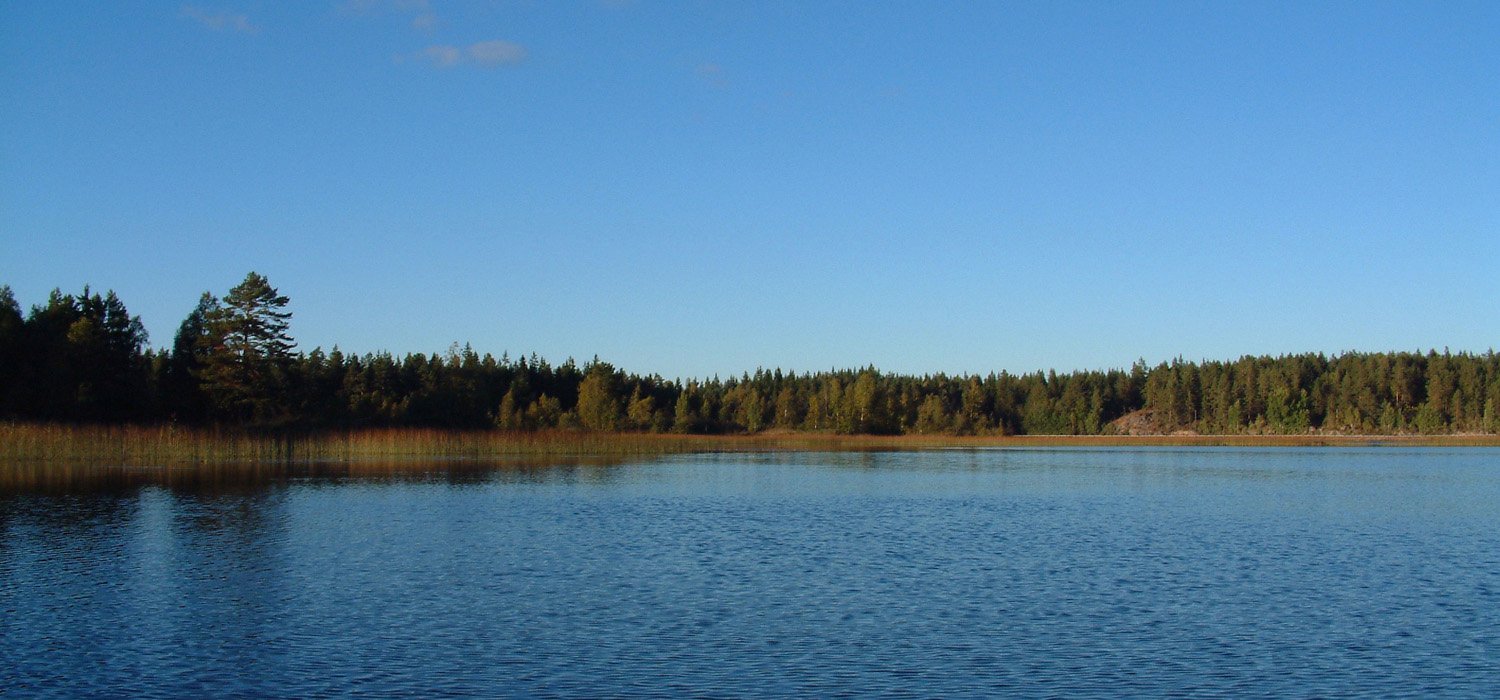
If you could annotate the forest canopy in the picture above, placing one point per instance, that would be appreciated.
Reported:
(84, 359)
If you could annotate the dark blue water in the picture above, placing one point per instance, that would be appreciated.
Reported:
(1007, 573)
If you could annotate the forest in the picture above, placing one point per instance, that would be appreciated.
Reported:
(83, 359)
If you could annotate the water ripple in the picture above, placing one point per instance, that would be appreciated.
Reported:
(1079, 574)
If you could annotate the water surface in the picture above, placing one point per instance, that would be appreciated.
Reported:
(1166, 572)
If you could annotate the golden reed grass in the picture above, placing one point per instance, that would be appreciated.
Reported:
(69, 459)
(172, 445)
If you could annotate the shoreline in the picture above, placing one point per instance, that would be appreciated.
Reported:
(67, 459)
(172, 445)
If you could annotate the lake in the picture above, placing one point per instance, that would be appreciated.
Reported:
(1081, 573)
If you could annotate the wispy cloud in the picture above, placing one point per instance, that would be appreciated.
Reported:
(497, 53)
(442, 56)
(489, 54)
(221, 21)
(711, 73)
(423, 18)
(360, 7)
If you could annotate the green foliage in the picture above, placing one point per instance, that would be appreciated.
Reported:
(1287, 414)
(932, 416)
(751, 411)
(510, 415)
(12, 325)
(599, 402)
(684, 417)
(83, 358)
(247, 352)
(791, 410)
(76, 358)
(975, 406)
(1429, 420)
(183, 397)
(867, 408)
(641, 413)
(545, 413)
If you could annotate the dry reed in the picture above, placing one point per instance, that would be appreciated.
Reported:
(173, 445)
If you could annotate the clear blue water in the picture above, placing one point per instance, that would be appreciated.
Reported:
(1001, 573)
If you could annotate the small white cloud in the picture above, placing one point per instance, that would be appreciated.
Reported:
(423, 18)
(488, 54)
(497, 53)
(362, 7)
(220, 21)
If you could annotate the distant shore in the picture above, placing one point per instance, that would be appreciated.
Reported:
(164, 445)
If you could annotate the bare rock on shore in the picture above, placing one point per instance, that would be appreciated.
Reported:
(1142, 422)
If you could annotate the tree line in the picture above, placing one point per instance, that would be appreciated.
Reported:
(84, 359)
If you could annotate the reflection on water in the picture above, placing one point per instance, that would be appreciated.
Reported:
(1021, 573)
(79, 478)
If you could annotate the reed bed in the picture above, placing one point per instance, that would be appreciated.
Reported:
(174, 445)
(171, 445)
(75, 477)
(73, 459)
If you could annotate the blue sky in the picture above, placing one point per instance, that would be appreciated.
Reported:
(691, 188)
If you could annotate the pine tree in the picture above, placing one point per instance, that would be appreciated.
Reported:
(248, 350)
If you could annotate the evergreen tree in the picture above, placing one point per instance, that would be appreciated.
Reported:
(74, 359)
(182, 394)
(11, 327)
(247, 353)
(975, 407)
(684, 418)
(106, 348)
(82, 358)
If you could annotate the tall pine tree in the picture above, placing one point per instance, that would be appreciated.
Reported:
(248, 352)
